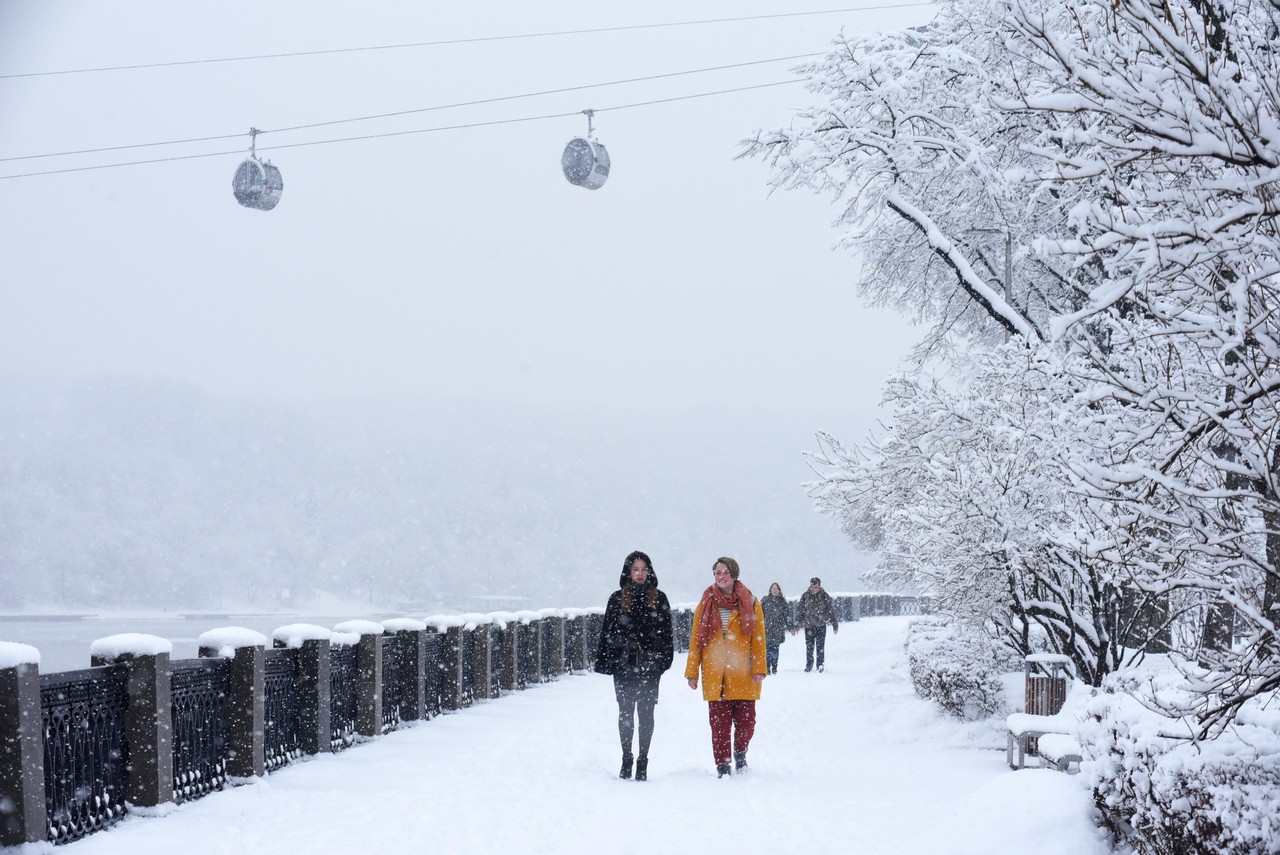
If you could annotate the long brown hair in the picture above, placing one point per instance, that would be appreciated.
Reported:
(651, 596)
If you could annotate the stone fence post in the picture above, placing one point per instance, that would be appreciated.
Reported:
(315, 723)
(246, 706)
(578, 655)
(510, 654)
(149, 719)
(533, 649)
(22, 802)
(451, 668)
(482, 659)
(554, 624)
(368, 675)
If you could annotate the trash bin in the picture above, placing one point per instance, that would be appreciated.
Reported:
(1046, 686)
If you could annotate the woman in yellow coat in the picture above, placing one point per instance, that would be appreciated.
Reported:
(728, 649)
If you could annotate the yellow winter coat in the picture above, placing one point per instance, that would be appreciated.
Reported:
(728, 662)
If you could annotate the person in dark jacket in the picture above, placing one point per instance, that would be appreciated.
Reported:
(814, 612)
(777, 620)
(636, 647)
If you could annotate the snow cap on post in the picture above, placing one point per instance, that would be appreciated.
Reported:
(114, 647)
(13, 654)
(226, 640)
(359, 627)
(295, 634)
(403, 625)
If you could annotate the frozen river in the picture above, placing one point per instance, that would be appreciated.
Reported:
(63, 641)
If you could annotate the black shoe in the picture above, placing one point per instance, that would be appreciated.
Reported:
(626, 767)
(642, 768)
(808, 668)
(722, 770)
(739, 760)
(819, 669)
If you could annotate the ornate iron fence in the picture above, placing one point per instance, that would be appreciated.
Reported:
(397, 681)
(342, 697)
(86, 756)
(200, 722)
(466, 652)
(496, 634)
(434, 682)
(594, 625)
(682, 626)
(283, 736)
(573, 637)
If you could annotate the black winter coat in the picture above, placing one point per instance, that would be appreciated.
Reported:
(816, 609)
(639, 642)
(777, 619)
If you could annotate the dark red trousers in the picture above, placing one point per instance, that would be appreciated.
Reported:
(731, 721)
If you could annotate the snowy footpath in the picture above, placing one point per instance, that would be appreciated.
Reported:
(845, 761)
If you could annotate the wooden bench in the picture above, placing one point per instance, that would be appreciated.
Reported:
(1024, 727)
(1058, 751)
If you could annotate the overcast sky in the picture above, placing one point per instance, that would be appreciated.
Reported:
(455, 264)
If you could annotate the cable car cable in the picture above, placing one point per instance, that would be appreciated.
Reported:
(476, 102)
(544, 92)
(408, 133)
(445, 42)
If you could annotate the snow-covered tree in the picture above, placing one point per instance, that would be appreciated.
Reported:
(970, 501)
(1128, 154)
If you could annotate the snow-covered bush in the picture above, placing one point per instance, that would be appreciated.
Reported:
(1169, 794)
(954, 668)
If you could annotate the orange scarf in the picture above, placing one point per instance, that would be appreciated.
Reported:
(739, 599)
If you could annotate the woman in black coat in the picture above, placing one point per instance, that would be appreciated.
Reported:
(777, 620)
(636, 647)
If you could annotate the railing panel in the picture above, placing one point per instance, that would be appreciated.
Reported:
(86, 756)
(573, 636)
(682, 628)
(200, 724)
(594, 624)
(467, 655)
(395, 680)
(283, 733)
(496, 634)
(342, 697)
(434, 679)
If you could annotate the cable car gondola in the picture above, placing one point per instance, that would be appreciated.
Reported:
(257, 183)
(585, 161)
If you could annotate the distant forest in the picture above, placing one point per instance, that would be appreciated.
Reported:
(142, 493)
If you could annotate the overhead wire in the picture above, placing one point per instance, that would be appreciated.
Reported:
(394, 114)
(477, 39)
(387, 134)
(397, 113)
(546, 92)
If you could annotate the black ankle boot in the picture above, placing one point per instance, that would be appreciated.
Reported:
(626, 766)
(642, 768)
(722, 769)
(740, 760)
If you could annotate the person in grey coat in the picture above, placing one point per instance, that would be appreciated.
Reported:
(815, 610)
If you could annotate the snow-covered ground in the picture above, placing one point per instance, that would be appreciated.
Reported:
(846, 761)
